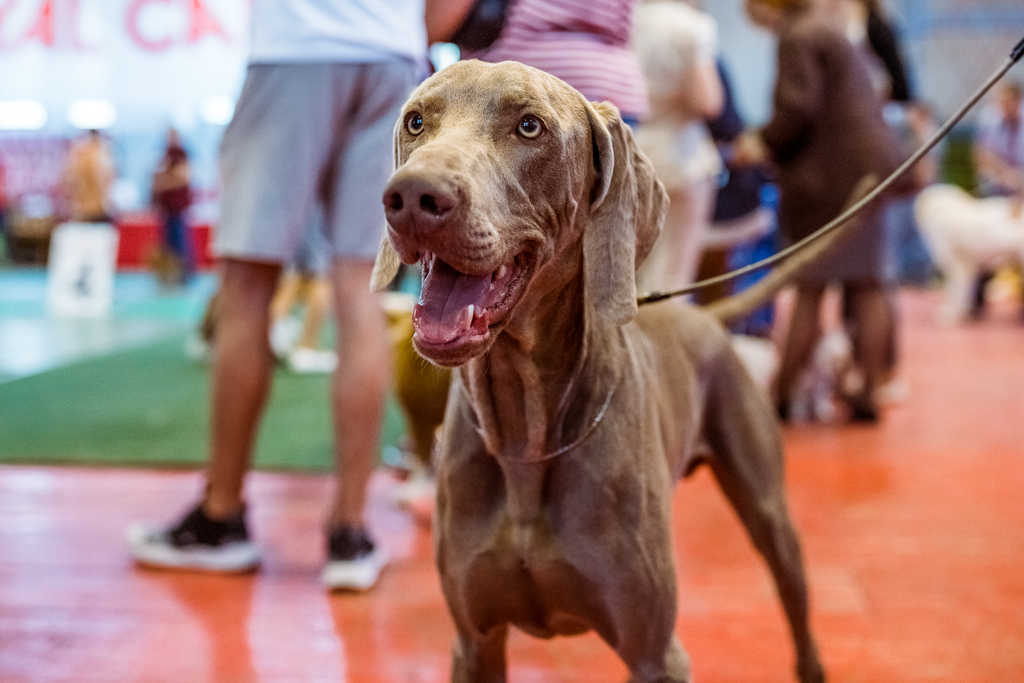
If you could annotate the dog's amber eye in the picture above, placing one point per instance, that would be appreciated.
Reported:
(530, 127)
(414, 123)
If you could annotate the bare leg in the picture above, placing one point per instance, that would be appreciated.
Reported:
(804, 332)
(358, 387)
(892, 353)
(874, 324)
(890, 293)
(318, 299)
(241, 380)
(286, 295)
(208, 325)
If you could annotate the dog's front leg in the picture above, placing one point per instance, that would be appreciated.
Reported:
(674, 669)
(480, 659)
(961, 279)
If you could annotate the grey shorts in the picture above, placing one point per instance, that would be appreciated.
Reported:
(307, 133)
(313, 257)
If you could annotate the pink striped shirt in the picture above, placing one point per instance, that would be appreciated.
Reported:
(583, 42)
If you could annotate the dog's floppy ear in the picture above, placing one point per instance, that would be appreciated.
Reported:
(626, 214)
(386, 266)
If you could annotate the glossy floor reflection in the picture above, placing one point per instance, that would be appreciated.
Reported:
(32, 340)
(911, 533)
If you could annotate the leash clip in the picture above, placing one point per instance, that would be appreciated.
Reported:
(1018, 51)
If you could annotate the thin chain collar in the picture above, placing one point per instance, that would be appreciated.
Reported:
(591, 428)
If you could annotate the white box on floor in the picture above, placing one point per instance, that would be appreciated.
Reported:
(80, 275)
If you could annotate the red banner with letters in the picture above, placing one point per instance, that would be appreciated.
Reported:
(148, 57)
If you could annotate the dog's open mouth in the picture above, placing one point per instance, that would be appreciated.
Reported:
(456, 308)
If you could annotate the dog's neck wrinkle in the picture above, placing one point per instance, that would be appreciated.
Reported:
(530, 393)
(511, 421)
(507, 395)
(538, 390)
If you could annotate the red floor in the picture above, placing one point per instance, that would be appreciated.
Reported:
(912, 532)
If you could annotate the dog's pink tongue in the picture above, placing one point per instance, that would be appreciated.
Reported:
(442, 314)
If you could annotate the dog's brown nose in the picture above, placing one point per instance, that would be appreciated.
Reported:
(413, 203)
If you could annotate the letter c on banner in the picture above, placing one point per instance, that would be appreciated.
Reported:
(132, 22)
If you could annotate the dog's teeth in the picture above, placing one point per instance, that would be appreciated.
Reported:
(500, 273)
(470, 310)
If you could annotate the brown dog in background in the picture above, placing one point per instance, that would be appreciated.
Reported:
(571, 415)
(421, 388)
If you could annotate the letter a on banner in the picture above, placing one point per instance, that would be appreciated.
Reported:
(43, 27)
(202, 22)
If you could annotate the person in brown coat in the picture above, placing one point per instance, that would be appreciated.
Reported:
(826, 133)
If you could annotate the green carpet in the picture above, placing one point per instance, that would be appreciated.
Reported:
(149, 407)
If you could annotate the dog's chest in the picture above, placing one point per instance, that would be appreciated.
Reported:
(523, 577)
(544, 572)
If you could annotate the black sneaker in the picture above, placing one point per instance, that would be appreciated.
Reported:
(197, 542)
(863, 411)
(353, 561)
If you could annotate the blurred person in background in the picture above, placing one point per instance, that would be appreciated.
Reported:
(172, 195)
(86, 179)
(826, 133)
(866, 22)
(870, 30)
(676, 45)
(743, 223)
(586, 43)
(3, 213)
(325, 82)
(999, 161)
(999, 144)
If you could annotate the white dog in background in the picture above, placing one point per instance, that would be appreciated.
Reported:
(967, 236)
(830, 374)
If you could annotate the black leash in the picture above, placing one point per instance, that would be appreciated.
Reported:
(855, 209)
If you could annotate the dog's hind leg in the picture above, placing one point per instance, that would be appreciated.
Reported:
(747, 461)
(480, 659)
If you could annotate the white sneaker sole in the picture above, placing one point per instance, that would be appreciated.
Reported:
(355, 575)
(146, 547)
(312, 361)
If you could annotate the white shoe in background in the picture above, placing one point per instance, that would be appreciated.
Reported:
(354, 562)
(304, 360)
(197, 349)
(283, 335)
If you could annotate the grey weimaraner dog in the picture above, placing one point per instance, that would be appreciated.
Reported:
(571, 415)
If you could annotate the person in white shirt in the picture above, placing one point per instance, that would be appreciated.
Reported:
(325, 82)
(999, 144)
(676, 45)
